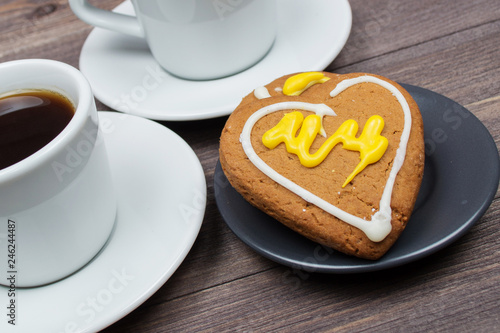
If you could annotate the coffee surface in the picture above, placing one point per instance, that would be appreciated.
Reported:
(29, 120)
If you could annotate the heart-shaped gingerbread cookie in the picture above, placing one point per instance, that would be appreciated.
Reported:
(337, 158)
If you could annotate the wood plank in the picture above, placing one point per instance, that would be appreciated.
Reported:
(43, 29)
(27, 25)
(381, 27)
(388, 25)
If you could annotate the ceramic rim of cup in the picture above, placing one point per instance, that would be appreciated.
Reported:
(81, 101)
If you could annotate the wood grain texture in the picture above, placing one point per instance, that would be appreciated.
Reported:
(451, 47)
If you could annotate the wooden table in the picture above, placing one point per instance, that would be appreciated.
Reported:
(450, 47)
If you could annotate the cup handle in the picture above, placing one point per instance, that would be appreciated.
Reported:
(105, 19)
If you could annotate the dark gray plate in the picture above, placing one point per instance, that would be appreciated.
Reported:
(460, 180)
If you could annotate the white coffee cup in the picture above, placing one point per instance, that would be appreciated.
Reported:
(195, 39)
(58, 205)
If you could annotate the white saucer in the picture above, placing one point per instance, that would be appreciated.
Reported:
(161, 191)
(125, 77)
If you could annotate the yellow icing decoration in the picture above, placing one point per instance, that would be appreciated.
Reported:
(370, 144)
(295, 85)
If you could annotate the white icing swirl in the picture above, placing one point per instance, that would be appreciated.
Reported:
(379, 226)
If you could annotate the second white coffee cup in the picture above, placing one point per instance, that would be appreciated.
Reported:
(195, 39)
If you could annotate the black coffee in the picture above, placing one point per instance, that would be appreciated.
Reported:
(28, 121)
